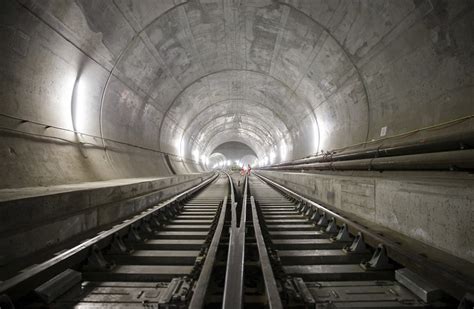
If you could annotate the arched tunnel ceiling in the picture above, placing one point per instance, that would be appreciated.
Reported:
(235, 114)
(235, 151)
(266, 58)
(288, 78)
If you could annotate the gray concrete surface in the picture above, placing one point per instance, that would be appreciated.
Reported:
(435, 208)
(9, 195)
(181, 77)
(43, 217)
(103, 90)
(233, 152)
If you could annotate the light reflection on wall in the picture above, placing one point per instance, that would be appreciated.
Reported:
(179, 146)
(283, 150)
(317, 133)
(215, 160)
(272, 156)
(78, 108)
(195, 154)
(65, 90)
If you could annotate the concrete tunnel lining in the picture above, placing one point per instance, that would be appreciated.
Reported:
(216, 116)
(222, 125)
(198, 98)
(109, 90)
(331, 58)
(233, 152)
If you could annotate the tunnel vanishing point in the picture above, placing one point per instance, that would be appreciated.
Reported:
(360, 112)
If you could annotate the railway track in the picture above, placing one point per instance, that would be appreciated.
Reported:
(156, 258)
(256, 245)
(162, 265)
(311, 260)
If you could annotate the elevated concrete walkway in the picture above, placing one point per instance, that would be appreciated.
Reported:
(36, 218)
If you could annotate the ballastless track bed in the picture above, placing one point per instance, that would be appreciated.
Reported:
(255, 245)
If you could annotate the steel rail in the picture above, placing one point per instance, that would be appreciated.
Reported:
(455, 284)
(232, 200)
(234, 278)
(271, 289)
(199, 294)
(24, 282)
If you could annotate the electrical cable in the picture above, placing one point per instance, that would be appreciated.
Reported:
(432, 127)
(47, 126)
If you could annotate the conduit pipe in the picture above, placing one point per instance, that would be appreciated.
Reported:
(449, 143)
(447, 160)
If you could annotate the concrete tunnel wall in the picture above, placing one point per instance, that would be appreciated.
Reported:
(232, 152)
(434, 209)
(141, 79)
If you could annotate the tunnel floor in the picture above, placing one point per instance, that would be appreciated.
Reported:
(238, 242)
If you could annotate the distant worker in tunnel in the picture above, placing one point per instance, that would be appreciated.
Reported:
(248, 169)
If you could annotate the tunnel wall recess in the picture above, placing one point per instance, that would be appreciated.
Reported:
(97, 90)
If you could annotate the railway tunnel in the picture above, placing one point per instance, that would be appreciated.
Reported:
(127, 128)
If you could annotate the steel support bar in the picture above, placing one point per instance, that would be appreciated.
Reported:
(271, 289)
(21, 284)
(452, 282)
(199, 294)
(234, 279)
